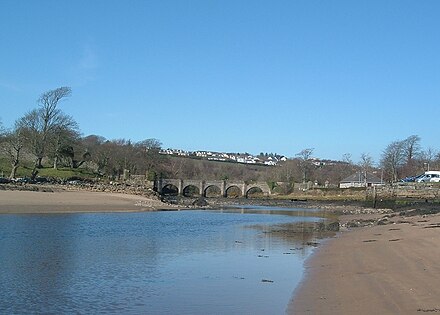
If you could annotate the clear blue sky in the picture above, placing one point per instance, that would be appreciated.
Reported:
(256, 76)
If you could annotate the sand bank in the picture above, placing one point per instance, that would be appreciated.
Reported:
(383, 269)
(12, 201)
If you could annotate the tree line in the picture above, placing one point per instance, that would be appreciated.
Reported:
(47, 137)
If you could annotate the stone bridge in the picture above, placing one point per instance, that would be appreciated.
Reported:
(224, 187)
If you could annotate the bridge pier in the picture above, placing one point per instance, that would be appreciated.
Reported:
(158, 186)
(180, 187)
(202, 188)
(223, 189)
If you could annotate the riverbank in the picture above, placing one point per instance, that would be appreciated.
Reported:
(387, 266)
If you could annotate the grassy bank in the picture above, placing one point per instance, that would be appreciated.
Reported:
(61, 173)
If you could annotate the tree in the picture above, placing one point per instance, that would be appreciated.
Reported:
(412, 151)
(119, 154)
(304, 157)
(411, 147)
(393, 157)
(43, 124)
(150, 144)
(400, 157)
(92, 144)
(148, 150)
(346, 157)
(427, 157)
(365, 164)
(61, 144)
(13, 142)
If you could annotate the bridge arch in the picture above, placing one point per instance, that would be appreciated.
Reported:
(170, 190)
(233, 191)
(191, 191)
(254, 191)
(212, 191)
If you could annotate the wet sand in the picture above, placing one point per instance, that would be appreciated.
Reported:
(12, 201)
(383, 269)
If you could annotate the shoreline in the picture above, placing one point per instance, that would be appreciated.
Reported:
(386, 268)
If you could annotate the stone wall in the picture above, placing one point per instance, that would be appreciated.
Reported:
(428, 191)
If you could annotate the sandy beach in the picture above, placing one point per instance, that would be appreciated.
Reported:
(383, 269)
(13, 201)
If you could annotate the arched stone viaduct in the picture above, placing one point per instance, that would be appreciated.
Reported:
(203, 185)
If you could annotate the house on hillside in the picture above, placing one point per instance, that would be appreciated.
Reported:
(360, 179)
(270, 161)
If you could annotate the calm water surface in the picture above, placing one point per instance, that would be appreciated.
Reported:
(185, 262)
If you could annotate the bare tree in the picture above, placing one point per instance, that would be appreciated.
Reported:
(427, 158)
(43, 123)
(436, 162)
(13, 142)
(346, 157)
(149, 150)
(304, 161)
(176, 165)
(150, 144)
(412, 151)
(365, 164)
(411, 147)
(393, 157)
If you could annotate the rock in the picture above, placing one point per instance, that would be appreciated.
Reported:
(314, 244)
(383, 221)
(333, 226)
(352, 224)
(200, 202)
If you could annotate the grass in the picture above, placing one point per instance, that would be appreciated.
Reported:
(25, 170)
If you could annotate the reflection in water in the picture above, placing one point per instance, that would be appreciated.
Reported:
(187, 262)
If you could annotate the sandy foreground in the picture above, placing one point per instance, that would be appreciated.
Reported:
(383, 269)
(12, 201)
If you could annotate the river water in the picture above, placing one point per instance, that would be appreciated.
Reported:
(180, 262)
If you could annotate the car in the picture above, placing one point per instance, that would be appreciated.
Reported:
(40, 180)
(22, 180)
(429, 177)
(4, 180)
(410, 179)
